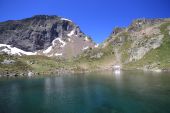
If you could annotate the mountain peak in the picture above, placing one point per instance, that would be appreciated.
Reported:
(39, 33)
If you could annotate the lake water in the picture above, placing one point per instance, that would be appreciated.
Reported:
(101, 92)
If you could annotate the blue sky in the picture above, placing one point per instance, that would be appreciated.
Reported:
(96, 18)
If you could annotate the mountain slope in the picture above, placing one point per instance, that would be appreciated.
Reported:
(52, 36)
(143, 45)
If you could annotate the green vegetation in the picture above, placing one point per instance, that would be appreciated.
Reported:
(46, 65)
(96, 59)
(160, 56)
(17, 67)
(124, 51)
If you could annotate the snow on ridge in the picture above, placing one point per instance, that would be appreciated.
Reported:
(87, 39)
(85, 48)
(15, 51)
(66, 19)
(2, 45)
(71, 33)
(58, 54)
(47, 50)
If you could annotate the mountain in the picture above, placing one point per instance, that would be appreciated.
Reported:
(145, 45)
(51, 36)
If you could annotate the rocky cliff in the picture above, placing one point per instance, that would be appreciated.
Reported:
(52, 36)
(145, 44)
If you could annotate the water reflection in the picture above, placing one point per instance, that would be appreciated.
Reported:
(103, 92)
(117, 74)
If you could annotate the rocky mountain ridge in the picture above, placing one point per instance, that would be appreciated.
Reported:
(44, 35)
(145, 45)
(138, 40)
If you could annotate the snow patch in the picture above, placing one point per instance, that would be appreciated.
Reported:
(66, 19)
(47, 50)
(15, 51)
(58, 54)
(71, 33)
(50, 55)
(85, 48)
(87, 39)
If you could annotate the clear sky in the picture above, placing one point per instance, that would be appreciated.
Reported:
(96, 18)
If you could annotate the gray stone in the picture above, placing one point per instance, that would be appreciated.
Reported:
(98, 55)
(30, 74)
(8, 62)
(142, 46)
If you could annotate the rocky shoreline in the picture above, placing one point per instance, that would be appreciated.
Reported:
(65, 72)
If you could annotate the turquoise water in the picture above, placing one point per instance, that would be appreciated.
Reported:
(102, 92)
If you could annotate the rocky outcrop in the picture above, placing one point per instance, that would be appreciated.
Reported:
(140, 47)
(43, 35)
(138, 24)
(142, 36)
(7, 62)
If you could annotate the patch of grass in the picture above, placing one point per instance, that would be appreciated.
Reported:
(42, 64)
(17, 66)
(124, 50)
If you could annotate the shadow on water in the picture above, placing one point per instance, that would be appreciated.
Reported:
(97, 92)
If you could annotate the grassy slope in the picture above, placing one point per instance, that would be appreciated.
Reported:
(46, 65)
(17, 67)
(38, 64)
(161, 55)
(90, 64)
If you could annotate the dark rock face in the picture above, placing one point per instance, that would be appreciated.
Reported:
(51, 36)
(36, 33)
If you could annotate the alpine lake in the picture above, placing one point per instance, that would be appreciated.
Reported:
(96, 92)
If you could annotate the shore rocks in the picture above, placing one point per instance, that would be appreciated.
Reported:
(30, 74)
(152, 67)
(7, 62)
